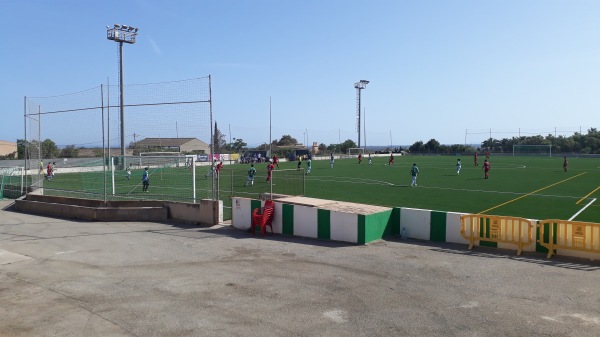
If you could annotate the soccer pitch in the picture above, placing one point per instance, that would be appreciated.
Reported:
(529, 187)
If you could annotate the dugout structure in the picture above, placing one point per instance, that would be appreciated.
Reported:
(532, 150)
(90, 119)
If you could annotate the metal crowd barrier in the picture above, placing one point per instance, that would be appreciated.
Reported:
(500, 229)
(571, 235)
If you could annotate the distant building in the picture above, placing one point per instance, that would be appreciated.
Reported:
(191, 145)
(7, 148)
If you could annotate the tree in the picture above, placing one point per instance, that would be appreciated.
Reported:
(49, 149)
(348, 144)
(417, 147)
(322, 147)
(22, 144)
(218, 140)
(432, 145)
(287, 140)
(69, 152)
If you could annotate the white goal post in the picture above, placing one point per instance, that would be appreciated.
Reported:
(532, 150)
(355, 151)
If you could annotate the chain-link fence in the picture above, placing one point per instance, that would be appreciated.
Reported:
(89, 145)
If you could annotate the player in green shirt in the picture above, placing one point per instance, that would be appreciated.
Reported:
(308, 166)
(251, 173)
(413, 172)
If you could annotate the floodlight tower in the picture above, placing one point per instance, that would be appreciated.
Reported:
(362, 84)
(121, 34)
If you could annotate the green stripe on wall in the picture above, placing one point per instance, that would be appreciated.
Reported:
(376, 225)
(361, 223)
(488, 244)
(287, 219)
(437, 226)
(393, 225)
(484, 227)
(324, 224)
(539, 248)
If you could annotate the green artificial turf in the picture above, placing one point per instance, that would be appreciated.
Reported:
(529, 187)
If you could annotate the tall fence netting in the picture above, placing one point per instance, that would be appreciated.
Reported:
(75, 148)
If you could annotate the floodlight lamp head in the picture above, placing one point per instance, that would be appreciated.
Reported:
(117, 25)
(125, 27)
(364, 81)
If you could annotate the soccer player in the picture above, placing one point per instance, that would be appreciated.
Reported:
(487, 155)
(128, 175)
(218, 168)
(413, 172)
(458, 166)
(299, 162)
(145, 180)
(49, 171)
(565, 164)
(251, 174)
(270, 168)
(359, 158)
(486, 168)
(370, 160)
(475, 159)
(391, 161)
(331, 160)
(308, 166)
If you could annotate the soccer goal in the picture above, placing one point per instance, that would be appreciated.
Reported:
(532, 150)
(172, 177)
(288, 182)
(355, 151)
(12, 182)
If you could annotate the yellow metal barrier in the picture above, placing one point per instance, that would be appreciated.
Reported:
(571, 235)
(504, 229)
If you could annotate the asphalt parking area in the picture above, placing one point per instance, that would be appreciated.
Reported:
(71, 278)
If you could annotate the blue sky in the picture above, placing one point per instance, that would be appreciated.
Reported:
(436, 68)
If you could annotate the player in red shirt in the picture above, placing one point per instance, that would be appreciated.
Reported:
(49, 171)
(359, 158)
(565, 164)
(276, 160)
(218, 168)
(475, 159)
(270, 168)
(486, 168)
(391, 161)
(487, 155)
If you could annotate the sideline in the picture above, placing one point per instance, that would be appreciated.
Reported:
(581, 210)
(528, 194)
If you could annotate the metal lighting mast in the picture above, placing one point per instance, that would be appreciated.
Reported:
(362, 84)
(121, 34)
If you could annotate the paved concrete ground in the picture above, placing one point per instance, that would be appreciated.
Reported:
(72, 278)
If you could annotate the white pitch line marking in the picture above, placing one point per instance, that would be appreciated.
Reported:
(581, 210)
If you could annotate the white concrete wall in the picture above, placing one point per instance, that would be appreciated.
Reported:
(305, 221)
(416, 221)
(344, 227)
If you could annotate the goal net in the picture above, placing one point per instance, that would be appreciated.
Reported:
(171, 177)
(532, 150)
(12, 182)
(355, 151)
